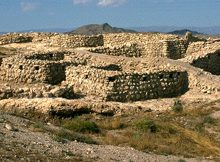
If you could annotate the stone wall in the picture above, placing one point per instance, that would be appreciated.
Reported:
(19, 69)
(201, 46)
(73, 41)
(35, 91)
(49, 56)
(195, 47)
(176, 49)
(149, 45)
(14, 38)
(53, 39)
(124, 87)
(131, 50)
(210, 62)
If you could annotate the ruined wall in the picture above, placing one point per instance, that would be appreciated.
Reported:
(150, 44)
(210, 63)
(31, 71)
(35, 91)
(202, 46)
(49, 56)
(175, 49)
(73, 41)
(14, 38)
(124, 87)
(195, 47)
(53, 39)
(131, 50)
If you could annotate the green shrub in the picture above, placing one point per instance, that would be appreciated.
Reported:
(81, 126)
(181, 160)
(208, 120)
(146, 125)
(177, 107)
(64, 136)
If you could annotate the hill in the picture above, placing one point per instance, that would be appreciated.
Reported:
(183, 32)
(211, 30)
(94, 29)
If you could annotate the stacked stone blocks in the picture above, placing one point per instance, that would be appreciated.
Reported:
(126, 86)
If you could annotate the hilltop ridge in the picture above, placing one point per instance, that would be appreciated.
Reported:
(94, 29)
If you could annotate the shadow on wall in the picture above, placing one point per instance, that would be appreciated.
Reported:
(180, 88)
(210, 63)
(111, 67)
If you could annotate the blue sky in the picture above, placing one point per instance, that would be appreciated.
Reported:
(18, 15)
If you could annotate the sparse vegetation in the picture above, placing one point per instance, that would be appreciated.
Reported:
(37, 127)
(208, 120)
(146, 125)
(177, 107)
(170, 133)
(64, 135)
(111, 124)
(79, 125)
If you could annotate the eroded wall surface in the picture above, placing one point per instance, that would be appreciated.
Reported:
(124, 87)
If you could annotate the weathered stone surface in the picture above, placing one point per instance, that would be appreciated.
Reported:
(142, 74)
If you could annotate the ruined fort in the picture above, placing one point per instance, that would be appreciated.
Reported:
(122, 67)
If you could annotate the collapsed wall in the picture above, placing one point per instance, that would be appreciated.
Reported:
(35, 91)
(124, 86)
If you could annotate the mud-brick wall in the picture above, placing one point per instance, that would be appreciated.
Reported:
(14, 38)
(73, 41)
(125, 87)
(31, 71)
(131, 50)
(210, 63)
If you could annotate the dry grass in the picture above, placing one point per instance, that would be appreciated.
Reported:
(183, 133)
(111, 124)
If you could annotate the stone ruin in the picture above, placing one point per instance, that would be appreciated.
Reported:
(36, 68)
(112, 67)
(105, 81)
(205, 55)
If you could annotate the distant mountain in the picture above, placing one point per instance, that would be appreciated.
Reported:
(94, 29)
(212, 30)
(183, 32)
